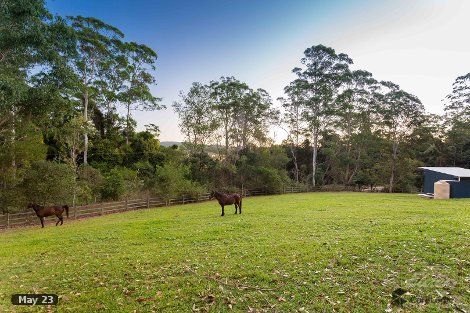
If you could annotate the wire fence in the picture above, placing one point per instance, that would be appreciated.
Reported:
(97, 209)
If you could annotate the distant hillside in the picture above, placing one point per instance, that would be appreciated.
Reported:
(170, 143)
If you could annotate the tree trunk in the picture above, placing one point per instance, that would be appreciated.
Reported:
(356, 166)
(296, 166)
(127, 123)
(85, 115)
(392, 175)
(244, 133)
(226, 137)
(348, 160)
(73, 164)
(74, 197)
(13, 140)
(314, 156)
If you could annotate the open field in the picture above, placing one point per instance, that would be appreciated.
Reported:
(316, 252)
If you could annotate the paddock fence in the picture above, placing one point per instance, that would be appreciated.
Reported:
(97, 209)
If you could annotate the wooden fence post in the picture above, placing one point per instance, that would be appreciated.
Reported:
(126, 204)
(148, 201)
(8, 220)
(183, 199)
(102, 208)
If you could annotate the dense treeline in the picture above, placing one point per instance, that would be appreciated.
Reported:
(64, 80)
(343, 127)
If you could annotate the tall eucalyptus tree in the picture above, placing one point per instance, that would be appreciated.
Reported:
(244, 113)
(196, 114)
(227, 95)
(96, 42)
(399, 113)
(458, 101)
(138, 74)
(295, 126)
(457, 108)
(319, 80)
(253, 118)
(33, 46)
(354, 118)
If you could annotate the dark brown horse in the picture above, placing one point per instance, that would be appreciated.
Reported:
(42, 212)
(227, 199)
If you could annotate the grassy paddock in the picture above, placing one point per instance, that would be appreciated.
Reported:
(316, 252)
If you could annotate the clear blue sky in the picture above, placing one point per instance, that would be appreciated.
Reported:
(421, 45)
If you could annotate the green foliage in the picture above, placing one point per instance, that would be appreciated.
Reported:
(458, 102)
(407, 176)
(49, 183)
(171, 182)
(196, 114)
(144, 147)
(63, 79)
(457, 109)
(90, 183)
(270, 179)
(243, 113)
(106, 155)
(263, 168)
(22, 24)
(120, 183)
(21, 146)
(457, 144)
(70, 137)
(201, 167)
(223, 176)
(137, 78)
(315, 90)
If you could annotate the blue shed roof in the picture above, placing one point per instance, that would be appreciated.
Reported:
(454, 171)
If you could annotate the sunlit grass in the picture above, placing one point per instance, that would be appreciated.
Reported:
(316, 252)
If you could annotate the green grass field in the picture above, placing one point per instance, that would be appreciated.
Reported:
(316, 252)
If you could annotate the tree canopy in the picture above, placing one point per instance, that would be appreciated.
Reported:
(68, 86)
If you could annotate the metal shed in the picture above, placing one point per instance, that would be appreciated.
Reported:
(457, 177)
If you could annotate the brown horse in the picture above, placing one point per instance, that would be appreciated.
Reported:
(42, 212)
(227, 199)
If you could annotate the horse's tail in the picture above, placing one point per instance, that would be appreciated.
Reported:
(66, 207)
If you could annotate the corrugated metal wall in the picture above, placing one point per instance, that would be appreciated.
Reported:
(460, 189)
(430, 177)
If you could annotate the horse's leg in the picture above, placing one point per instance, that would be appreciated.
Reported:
(223, 213)
(42, 221)
(61, 219)
(240, 206)
(236, 207)
(58, 221)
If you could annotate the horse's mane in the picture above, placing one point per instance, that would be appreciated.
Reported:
(34, 206)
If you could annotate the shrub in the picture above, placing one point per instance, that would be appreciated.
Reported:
(120, 183)
(172, 182)
(90, 182)
(48, 182)
(270, 179)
